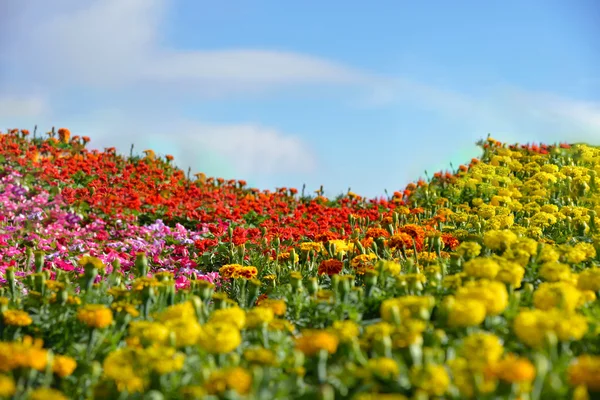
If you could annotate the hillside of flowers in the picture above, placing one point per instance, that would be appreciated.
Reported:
(124, 277)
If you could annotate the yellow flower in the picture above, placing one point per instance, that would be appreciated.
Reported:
(149, 332)
(313, 341)
(468, 250)
(95, 315)
(124, 307)
(7, 386)
(119, 366)
(533, 326)
(491, 293)
(278, 306)
(481, 267)
(555, 271)
(499, 239)
(392, 268)
(220, 337)
(259, 316)
(589, 279)
(432, 379)
(383, 368)
(482, 348)
(47, 394)
(187, 331)
(63, 365)
(466, 312)
(561, 295)
(178, 311)
(407, 307)
(94, 261)
(16, 318)
(260, 356)
(345, 330)
(236, 379)
(510, 273)
(463, 377)
(232, 315)
(27, 353)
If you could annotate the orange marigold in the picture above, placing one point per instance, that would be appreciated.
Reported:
(330, 267)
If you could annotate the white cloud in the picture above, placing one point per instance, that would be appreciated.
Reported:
(22, 106)
(115, 43)
(253, 149)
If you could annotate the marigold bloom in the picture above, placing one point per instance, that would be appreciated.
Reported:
(236, 379)
(514, 369)
(47, 394)
(220, 337)
(231, 315)
(259, 316)
(63, 365)
(16, 318)
(432, 379)
(585, 370)
(330, 267)
(7, 386)
(383, 368)
(95, 315)
(466, 312)
(64, 135)
(313, 341)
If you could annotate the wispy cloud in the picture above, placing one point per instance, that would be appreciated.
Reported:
(20, 106)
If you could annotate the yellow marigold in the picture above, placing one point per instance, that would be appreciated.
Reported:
(555, 271)
(278, 306)
(95, 315)
(585, 370)
(482, 348)
(220, 337)
(124, 307)
(510, 272)
(431, 379)
(178, 311)
(119, 367)
(463, 375)
(548, 254)
(345, 330)
(533, 326)
(47, 394)
(260, 356)
(63, 365)
(16, 318)
(407, 307)
(466, 312)
(561, 295)
(383, 368)
(236, 379)
(392, 268)
(231, 315)
(7, 386)
(513, 369)
(186, 331)
(281, 325)
(481, 267)
(313, 341)
(311, 246)
(499, 239)
(589, 279)
(492, 294)
(94, 261)
(149, 332)
(259, 316)
(468, 250)
(408, 333)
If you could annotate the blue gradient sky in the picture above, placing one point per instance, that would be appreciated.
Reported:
(346, 94)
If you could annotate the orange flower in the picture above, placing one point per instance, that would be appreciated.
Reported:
(330, 267)
(64, 135)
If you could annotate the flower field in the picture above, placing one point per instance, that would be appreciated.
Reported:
(125, 277)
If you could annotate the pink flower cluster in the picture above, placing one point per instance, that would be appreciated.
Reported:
(29, 217)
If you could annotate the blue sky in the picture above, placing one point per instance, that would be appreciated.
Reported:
(348, 94)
